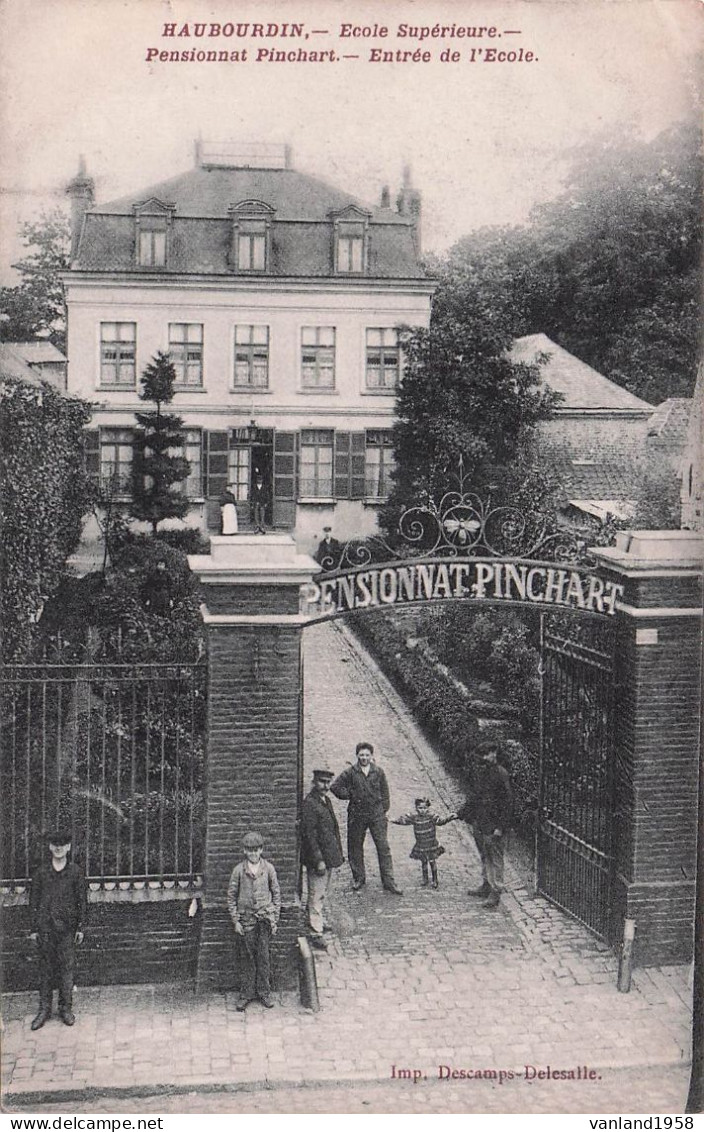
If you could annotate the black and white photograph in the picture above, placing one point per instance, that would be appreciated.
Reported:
(351, 405)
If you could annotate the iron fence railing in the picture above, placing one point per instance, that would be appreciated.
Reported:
(113, 752)
(575, 832)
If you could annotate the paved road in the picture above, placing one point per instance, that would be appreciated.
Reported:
(415, 982)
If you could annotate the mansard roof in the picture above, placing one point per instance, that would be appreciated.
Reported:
(303, 211)
(208, 191)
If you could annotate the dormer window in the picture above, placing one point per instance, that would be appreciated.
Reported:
(251, 236)
(251, 246)
(152, 224)
(351, 232)
(350, 248)
(152, 247)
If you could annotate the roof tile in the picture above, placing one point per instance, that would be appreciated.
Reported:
(581, 386)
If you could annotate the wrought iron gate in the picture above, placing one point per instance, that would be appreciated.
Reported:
(575, 826)
(116, 753)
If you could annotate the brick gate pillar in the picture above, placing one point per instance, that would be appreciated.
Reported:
(254, 754)
(657, 751)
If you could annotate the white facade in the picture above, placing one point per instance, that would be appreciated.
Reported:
(282, 375)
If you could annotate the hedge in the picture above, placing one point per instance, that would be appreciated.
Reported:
(44, 494)
(444, 708)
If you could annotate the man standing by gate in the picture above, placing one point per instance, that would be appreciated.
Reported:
(489, 811)
(367, 790)
(321, 851)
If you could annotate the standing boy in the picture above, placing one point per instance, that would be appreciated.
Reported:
(321, 851)
(254, 904)
(366, 788)
(57, 909)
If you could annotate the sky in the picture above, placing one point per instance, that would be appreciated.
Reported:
(486, 140)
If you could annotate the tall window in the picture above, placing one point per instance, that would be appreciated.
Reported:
(350, 248)
(378, 463)
(251, 246)
(152, 247)
(238, 472)
(116, 447)
(117, 353)
(382, 358)
(251, 357)
(191, 448)
(316, 464)
(186, 350)
(318, 357)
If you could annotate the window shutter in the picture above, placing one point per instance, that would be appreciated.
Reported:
(91, 453)
(342, 465)
(358, 442)
(216, 448)
(285, 445)
(137, 475)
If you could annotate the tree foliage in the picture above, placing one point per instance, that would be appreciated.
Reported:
(128, 627)
(157, 470)
(44, 494)
(35, 307)
(461, 396)
(611, 269)
(658, 504)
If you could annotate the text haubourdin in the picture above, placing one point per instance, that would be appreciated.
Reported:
(257, 42)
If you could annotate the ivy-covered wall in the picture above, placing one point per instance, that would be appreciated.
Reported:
(44, 494)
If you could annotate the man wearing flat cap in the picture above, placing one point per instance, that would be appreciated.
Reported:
(321, 851)
(329, 550)
(57, 906)
(254, 904)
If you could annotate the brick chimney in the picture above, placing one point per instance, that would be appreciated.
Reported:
(402, 200)
(82, 193)
(415, 206)
(408, 203)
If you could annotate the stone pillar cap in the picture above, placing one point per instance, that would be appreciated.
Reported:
(682, 550)
(251, 559)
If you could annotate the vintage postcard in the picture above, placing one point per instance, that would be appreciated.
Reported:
(352, 557)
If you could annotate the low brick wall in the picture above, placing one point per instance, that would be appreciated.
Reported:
(153, 941)
(218, 968)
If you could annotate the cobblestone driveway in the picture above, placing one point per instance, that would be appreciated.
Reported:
(415, 982)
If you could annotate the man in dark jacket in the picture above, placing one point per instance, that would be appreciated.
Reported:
(321, 851)
(258, 500)
(329, 551)
(57, 909)
(367, 790)
(489, 812)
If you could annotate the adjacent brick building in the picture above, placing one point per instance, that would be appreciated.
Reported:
(597, 439)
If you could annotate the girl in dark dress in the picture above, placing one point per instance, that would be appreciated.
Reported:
(426, 849)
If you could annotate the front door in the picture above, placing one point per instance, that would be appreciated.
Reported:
(239, 469)
(261, 464)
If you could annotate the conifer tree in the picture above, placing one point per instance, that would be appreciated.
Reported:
(157, 468)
